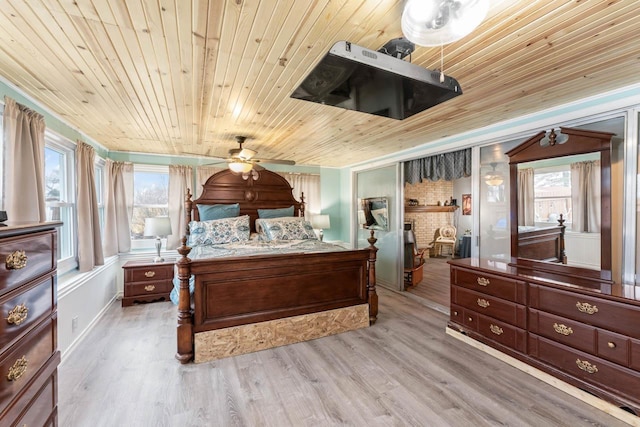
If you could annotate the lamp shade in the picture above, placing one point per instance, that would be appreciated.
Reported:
(158, 226)
(320, 221)
(362, 218)
(240, 166)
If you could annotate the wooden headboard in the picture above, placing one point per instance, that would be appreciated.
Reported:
(269, 191)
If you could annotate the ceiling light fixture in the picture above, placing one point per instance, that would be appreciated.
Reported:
(240, 166)
(493, 178)
(439, 22)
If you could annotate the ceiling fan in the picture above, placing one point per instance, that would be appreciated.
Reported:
(242, 160)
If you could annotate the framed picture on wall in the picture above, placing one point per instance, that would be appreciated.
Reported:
(466, 204)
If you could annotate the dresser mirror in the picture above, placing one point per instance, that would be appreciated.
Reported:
(561, 192)
(373, 213)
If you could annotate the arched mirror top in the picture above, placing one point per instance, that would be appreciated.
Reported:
(537, 231)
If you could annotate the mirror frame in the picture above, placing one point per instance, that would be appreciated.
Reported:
(579, 142)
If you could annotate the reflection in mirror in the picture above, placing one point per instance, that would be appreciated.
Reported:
(373, 213)
(566, 187)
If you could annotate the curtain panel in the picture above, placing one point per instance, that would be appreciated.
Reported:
(118, 207)
(585, 196)
(446, 166)
(309, 184)
(23, 133)
(180, 178)
(89, 240)
(526, 197)
(202, 175)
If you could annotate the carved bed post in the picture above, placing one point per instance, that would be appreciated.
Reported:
(301, 214)
(188, 206)
(185, 316)
(371, 281)
(562, 254)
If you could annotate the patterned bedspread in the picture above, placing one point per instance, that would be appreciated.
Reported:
(259, 247)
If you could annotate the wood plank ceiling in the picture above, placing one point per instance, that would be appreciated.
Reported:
(186, 76)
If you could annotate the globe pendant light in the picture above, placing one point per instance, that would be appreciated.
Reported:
(439, 22)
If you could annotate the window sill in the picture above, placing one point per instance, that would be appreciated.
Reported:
(70, 281)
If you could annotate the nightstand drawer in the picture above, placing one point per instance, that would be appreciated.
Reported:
(151, 273)
(148, 288)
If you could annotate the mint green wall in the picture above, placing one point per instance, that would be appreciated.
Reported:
(330, 184)
(52, 122)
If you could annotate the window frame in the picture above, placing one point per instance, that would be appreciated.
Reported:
(68, 150)
(148, 243)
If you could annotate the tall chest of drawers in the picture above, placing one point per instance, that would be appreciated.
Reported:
(28, 336)
(589, 340)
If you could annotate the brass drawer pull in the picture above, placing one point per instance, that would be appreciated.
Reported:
(586, 366)
(455, 313)
(18, 369)
(150, 288)
(149, 274)
(18, 314)
(585, 307)
(482, 281)
(483, 303)
(16, 260)
(470, 319)
(611, 344)
(562, 329)
(496, 329)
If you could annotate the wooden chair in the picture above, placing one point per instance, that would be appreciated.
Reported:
(446, 237)
(413, 259)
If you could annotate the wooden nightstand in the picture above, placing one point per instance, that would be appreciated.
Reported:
(147, 281)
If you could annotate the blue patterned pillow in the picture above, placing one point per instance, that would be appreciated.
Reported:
(286, 228)
(210, 212)
(275, 213)
(218, 231)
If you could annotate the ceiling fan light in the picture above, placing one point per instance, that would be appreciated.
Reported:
(240, 166)
(439, 22)
(493, 180)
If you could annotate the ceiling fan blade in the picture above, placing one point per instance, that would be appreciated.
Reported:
(276, 161)
(246, 154)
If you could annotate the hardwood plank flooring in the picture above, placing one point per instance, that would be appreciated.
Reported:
(435, 286)
(403, 371)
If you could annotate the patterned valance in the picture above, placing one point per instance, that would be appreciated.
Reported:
(447, 166)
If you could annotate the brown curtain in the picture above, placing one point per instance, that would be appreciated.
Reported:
(89, 239)
(526, 208)
(585, 196)
(118, 207)
(180, 178)
(24, 167)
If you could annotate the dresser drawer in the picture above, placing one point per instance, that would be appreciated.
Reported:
(41, 408)
(150, 273)
(512, 313)
(635, 355)
(611, 315)
(40, 258)
(503, 333)
(497, 286)
(456, 314)
(19, 365)
(614, 347)
(619, 380)
(565, 331)
(21, 310)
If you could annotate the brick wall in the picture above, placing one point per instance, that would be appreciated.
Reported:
(425, 224)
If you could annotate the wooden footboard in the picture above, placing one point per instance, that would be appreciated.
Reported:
(247, 290)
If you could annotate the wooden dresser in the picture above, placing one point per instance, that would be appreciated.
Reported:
(147, 281)
(583, 337)
(28, 336)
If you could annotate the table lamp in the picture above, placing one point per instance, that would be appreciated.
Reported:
(321, 222)
(159, 227)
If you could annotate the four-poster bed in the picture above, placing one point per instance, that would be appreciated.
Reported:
(249, 303)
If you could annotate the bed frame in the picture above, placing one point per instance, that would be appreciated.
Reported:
(543, 244)
(245, 304)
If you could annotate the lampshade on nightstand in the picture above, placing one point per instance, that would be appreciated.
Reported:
(321, 222)
(159, 227)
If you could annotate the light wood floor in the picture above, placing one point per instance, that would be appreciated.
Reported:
(403, 371)
(435, 286)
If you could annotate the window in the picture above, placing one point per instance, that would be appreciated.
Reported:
(150, 199)
(552, 194)
(59, 187)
